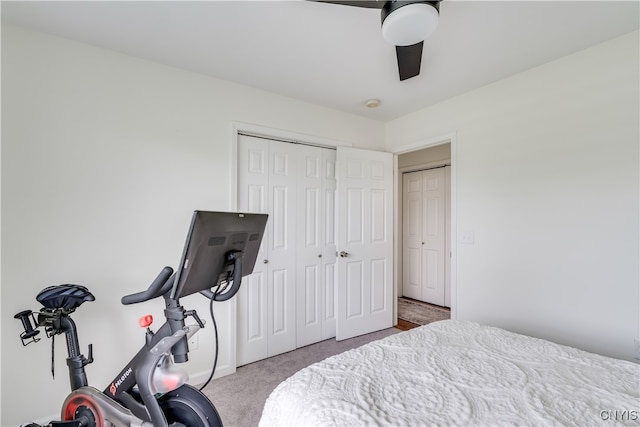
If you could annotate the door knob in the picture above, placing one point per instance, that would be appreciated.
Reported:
(266, 261)
(344, 254)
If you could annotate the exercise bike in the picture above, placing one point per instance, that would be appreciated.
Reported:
(150, 391)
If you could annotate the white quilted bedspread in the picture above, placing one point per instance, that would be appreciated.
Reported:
(459, 373)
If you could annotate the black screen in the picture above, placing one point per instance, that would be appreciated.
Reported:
(211, 236)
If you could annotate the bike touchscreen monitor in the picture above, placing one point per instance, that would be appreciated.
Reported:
(211, 236)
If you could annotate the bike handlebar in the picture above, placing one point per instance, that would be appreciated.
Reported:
(164, 282)
(158, 287)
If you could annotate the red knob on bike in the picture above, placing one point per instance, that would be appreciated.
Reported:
(145, 321)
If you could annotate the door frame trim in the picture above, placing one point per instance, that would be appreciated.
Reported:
(397, 203)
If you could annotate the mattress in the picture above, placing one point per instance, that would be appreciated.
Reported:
(459, 373)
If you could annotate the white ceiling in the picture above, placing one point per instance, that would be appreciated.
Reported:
(334, 55)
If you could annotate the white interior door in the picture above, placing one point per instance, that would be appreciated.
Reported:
(425, 253)
(412, 235)
(447, 233)
(365, 241)
(434, 236)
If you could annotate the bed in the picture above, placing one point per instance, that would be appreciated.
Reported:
(459, 373)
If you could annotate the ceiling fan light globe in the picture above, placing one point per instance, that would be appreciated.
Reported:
(410, 24)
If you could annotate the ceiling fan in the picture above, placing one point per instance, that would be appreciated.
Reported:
(405, 24)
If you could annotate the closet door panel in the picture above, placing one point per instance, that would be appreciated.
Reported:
(281, 327)
(365, 240)
(329, 302)
(253, 311)
(253, 190)
(282, 250)
(309, 250)
(328, 291)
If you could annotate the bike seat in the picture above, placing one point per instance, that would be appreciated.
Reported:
(67, 296)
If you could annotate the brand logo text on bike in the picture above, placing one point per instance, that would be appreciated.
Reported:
(114, 387)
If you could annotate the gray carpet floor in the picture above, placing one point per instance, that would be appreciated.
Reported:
(239, 398)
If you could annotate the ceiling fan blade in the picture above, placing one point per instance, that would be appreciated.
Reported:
(370, 4)
(409, 60)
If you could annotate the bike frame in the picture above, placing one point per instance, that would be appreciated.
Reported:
(170, 338)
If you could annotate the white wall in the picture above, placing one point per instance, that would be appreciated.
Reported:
(547, 180)
(104, 157)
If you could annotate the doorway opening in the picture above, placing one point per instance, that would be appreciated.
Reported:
(425, 233)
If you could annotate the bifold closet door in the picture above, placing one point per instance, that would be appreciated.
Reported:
(316, 246)
(266, 301)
